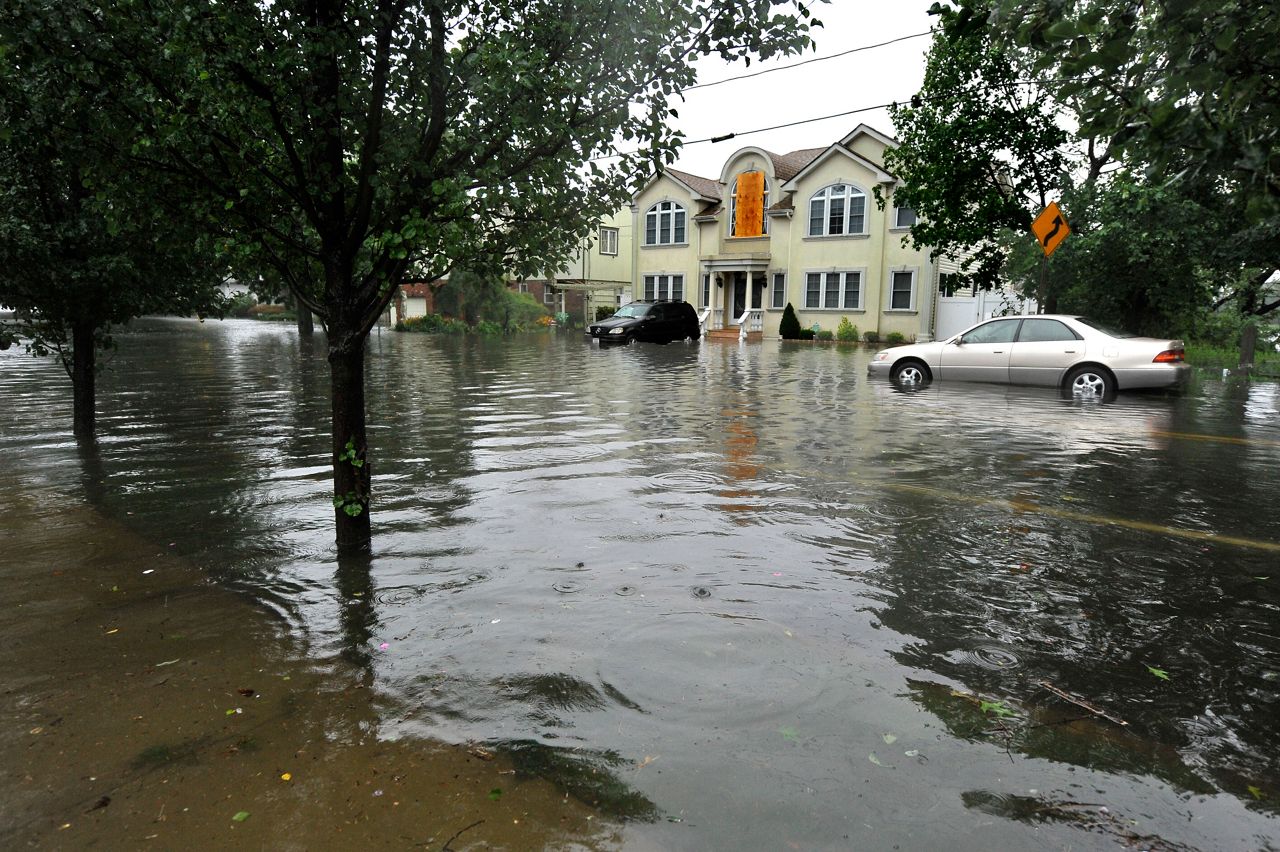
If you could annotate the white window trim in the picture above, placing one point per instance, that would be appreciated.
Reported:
(613, 234)
(733, 212)
(888, 290)
(897, 227)
(657, 231)
(773, 287)
(659, 291)
(853, 191)
(860, 271)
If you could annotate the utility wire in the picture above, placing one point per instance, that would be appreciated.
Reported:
(722, 138)
(805, 62)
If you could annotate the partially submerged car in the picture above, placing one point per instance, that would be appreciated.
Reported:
(1073, 353)
(659, 321)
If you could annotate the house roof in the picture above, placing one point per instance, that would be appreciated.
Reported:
(786, 166)
(706, 187)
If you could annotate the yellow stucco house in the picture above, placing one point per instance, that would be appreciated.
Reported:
(800, 228)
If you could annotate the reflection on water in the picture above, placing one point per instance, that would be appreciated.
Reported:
(740, 594)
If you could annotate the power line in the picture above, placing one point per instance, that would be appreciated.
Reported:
(806, 62)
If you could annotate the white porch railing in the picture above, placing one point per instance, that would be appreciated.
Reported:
(704, 317)
(750, 321)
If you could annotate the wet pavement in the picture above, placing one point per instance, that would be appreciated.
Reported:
(729, 596)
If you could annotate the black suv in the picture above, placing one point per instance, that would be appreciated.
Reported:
(656, 322)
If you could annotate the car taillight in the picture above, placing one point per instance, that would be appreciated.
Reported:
(1169, 356)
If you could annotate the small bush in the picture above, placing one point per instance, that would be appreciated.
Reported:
(895, 338)
(789, 326)
(871, 337)
(604, 312)
(826, 334)
(487, 328)
(846, 332)
(240, 305)
(805, 334)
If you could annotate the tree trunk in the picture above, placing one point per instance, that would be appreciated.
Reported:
(305, 325)
(350, 449)
(83, 373)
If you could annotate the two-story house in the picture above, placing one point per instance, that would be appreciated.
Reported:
(800, 228)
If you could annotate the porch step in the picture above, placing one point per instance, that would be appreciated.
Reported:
(731, 334)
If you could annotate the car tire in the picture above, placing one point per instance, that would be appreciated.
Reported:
(1089, 383)
(911, 373)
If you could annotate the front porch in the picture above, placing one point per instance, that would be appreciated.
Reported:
(735, 296)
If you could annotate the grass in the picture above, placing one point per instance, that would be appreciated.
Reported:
(1266, 363)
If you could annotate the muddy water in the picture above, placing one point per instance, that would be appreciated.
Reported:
(733, 597)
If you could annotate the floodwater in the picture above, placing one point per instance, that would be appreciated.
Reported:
(734, 596)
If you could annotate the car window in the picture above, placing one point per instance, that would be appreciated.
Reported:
(999, 331)
(1105, 329)
(659, 312)
(633, 310)
(1044, 330)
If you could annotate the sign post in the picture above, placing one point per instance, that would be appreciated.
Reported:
(1050, 229)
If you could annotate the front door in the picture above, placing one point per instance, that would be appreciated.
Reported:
(739, 295)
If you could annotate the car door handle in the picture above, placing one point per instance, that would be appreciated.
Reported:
(1068, 351)
(997, 352)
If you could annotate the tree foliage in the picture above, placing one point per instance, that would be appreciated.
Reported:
(85, 242)
(1187, 88)
(980, 145)
(341, 141)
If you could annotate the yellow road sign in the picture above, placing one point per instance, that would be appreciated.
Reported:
(1050, 228)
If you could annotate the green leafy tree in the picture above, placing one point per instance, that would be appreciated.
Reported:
(846, 331)
(980, 144)
(1141, 256)
(85, 242)
(1185, 92)
(359, 136)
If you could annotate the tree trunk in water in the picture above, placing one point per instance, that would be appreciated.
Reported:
(83, 370)
(305, 325)
(350, 449)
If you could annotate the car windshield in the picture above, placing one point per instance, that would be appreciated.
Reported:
(633, 310)
(1105, 329)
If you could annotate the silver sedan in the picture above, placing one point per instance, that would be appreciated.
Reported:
(1076, 354)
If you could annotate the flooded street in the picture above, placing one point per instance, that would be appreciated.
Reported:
(731, 596)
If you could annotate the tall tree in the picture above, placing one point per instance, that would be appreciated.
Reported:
(1187, 91)
(358, 136)
(85, 243)
(981, 147)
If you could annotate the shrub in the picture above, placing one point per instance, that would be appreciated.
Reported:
(604, 312)
(846, 332)
(826, 334)
(240, 305)
(487, 328)
(895, 338)
(805, 334)
(789, 327)
(433, 324)
(871, 337)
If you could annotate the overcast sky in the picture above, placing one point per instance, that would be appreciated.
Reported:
(859, 80)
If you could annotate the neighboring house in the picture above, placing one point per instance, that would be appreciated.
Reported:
(600, 275)
(800, 228)
(415, 299)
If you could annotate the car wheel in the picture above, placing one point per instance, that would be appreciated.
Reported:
(910, 372)
(1089, 382)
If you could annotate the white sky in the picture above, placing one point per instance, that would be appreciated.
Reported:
(863, 79)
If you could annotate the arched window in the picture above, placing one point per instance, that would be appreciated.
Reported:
(664, 224)
(763, 227)
(837, 210)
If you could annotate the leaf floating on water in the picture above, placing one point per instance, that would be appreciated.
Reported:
(789, 734)
(877, 761)
(1256, 792)
(240, 816)
(495, 794)
(889, 739)
(1160, 673)
(915, 752)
